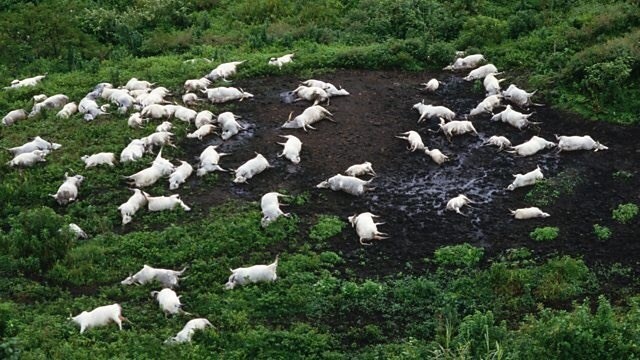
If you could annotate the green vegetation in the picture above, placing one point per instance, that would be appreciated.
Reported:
(463, 255)
(547, 191)
(602, 232)
(460, 303)
(625, 213)
(326, 227)
(546, 233)
(581, 55)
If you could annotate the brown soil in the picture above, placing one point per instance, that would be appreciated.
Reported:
(412, 191)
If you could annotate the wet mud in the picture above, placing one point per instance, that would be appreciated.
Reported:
(411, 191)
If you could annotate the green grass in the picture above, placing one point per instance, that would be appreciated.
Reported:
(624, 213)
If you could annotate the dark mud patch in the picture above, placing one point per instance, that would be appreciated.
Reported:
(412, 191)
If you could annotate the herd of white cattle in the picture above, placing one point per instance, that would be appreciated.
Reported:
(149, 102)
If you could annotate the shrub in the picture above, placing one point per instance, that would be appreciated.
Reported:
(36, 239)
(326, 227)
(625, 212)
(464, 255)
(602, 232)
(546, 233)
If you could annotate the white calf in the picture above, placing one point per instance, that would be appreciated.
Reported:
(349, 184)
(532, 146)
(162, 203)
(270, 207)
(209, 159)
(103, 158)
(573, 143)
(415, 141)
(133, 204)
(169, 302)
(99, 316)
(527, 179)
(68, 191)
(291, 148)
(366, 228)
(360, 169)
(457, 203)
(528, 213)
(166, 278)
(252, 274)
(251, 168)
(180, 175)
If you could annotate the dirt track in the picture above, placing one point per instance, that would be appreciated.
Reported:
(412, 191)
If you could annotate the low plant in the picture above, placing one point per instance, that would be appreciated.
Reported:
(464, 255)
(602, 232)
(625, 213)
(326, 227)
(546, 233)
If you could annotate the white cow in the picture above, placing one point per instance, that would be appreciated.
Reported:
(251, 168)
(437, 156)
(468, 62)
(169, 302)
(37, 143)
(224, 94)
(514, 118)
(162, 203)
(68, 191)
(487, 105)
(430, 111)
(224, 70)
(133, 152)
(133, 204)
(360, 169)
(229, 125)
(527, 179)
(349, 184)
(311, 93)
(99, 316)
(103, 158)
(291, 148)
(457, 203)
(532, 146)
(28, 159)
(481, 72)
(193, 85)
(573, 143)
(202, 131)
(519, 97)
(180, 175)
(528, 213)
(366, 227)
(67, 110)
(77, 231)
(309, 116)
(415, 141)
(331, 89)
(270, 207)
(492, 84)
(500, 141)
(13, 116)
(204, 117)
(252, 274)
(188, 330)
(279, 61)
(167, 278)
(456, 127)
(209, 159)
(431, 85)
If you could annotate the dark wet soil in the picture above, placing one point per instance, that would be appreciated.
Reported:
(411, 191)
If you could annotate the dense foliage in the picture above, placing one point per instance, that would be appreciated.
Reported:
(582, 55)
(455, 303)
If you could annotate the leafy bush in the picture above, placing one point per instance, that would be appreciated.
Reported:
(546, 233)
(602, 232)
(326, 227)
(625, 213)
(464, 255)
(37, 239)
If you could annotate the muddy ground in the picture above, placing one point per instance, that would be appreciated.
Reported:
(411, 191)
